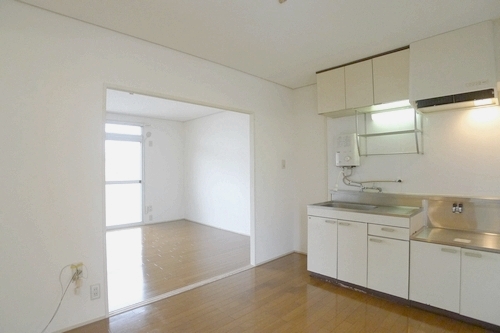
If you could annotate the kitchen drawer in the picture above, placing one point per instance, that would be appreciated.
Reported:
(388, 231)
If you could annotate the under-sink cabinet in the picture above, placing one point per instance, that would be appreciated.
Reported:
(352, 252)
(322, 246)
(456, 279)
(362, 249)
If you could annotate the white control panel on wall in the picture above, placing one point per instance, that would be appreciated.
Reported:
(347, 151)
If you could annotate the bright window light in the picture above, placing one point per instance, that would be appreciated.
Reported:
(123, 160)
(123, 204)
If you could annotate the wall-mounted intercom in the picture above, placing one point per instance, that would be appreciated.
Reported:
(347, 154)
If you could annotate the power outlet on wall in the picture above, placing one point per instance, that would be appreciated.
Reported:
(95, 291)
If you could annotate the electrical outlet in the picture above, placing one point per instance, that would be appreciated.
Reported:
(77, 276)
(95, 291)
(76, 271)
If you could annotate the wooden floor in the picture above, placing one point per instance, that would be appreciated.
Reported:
(279, 296)
(148, 261)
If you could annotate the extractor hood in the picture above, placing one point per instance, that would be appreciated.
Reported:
(454, 70)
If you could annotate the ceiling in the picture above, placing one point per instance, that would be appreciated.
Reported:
(283, 43)
(134, 104)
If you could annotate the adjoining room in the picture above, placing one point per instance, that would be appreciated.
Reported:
(177, 196)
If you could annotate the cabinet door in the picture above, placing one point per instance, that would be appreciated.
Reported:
(435, 275)
(388, 265)
(331, 90)
(480, 286)
(391, 77)
(352, 252)
(322, 246)
(359, 84)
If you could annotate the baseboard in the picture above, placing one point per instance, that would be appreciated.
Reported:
(80, 325)
(275, 258)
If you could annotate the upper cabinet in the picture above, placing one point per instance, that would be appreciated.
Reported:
(391, 74)
(362, 85)
(331, 88)
(359, 85)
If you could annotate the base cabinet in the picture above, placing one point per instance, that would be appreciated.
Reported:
(388, 266)
(322, 246)
(435, 275)
(480, 286)
(352, 252)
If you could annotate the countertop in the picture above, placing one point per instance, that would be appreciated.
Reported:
(398, 211)
(460, 238)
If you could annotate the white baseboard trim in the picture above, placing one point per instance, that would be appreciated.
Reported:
(80, 325)
(274, 258)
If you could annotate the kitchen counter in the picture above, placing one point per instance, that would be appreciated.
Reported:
(397, 211)
(460, 238)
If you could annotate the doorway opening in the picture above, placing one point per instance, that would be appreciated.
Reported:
(190, 170)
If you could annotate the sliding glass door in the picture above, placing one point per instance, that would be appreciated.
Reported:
(123, 172)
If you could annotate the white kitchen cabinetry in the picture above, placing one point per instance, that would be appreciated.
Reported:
(480, 286)
(388, 265)
(331, 90)
(359, 85)
(322, 246)
(435, 275)
(352, 252)
(391, 76)
(383, 79)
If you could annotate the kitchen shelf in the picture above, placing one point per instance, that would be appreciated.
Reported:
(389, 133)
(410, 141)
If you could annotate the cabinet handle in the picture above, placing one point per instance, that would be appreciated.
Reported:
(473, 254)
(444, 249)
(331, 221)
(376, 240)
(344, 223)
(387, 229)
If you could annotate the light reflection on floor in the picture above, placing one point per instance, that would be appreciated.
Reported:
(151, 260)
(125, 268)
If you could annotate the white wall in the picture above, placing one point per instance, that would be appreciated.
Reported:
(461, 156)
(311, 162)
(53, 78)
(217, 171)
(163, 166)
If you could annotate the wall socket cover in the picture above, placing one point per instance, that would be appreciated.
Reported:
(95, 291)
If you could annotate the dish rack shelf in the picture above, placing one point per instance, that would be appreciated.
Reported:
(389, 139)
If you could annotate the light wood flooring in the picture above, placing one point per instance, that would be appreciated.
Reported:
(151, 260)
(278, 296)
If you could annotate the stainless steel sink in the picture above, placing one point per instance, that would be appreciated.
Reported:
(348, 205)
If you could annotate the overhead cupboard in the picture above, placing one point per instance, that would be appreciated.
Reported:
(380, 80)
(453, 70)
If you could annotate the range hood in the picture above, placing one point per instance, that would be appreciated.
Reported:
(454, 70)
